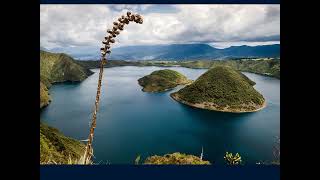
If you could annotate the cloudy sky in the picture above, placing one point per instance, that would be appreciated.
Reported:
(84, 26)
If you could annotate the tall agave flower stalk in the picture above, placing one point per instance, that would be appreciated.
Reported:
(109, 39)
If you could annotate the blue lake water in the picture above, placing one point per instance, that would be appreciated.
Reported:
(131, 122)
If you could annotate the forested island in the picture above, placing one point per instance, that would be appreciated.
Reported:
(222, 89)
(162, 80)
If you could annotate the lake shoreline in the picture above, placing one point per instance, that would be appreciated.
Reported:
(266, 67)
(211, 107)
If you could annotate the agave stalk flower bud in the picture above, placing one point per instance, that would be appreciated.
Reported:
(115, 23)
(105, 42)
(108, 51)
(131, 18)
(114, 28)
(105, 48)
(117, 32)
(128, 13)
(109, 31)
(137, 18)
(104, 60)
(112, 40)
(107, 37)
(120, 26)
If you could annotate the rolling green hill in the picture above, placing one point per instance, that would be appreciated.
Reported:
(162, 80)
(221, 89)
(58, 67)
(269, 67)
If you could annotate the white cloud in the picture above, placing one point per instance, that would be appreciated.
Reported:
(222, 45)
(85, 25)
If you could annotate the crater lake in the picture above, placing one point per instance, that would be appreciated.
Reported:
(131, 122)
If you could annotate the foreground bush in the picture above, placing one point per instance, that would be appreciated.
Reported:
(176, 159)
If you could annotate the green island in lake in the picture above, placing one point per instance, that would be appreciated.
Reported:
(222, 88)
(162, 80)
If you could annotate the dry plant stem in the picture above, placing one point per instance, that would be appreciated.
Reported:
(89, 150)
(118, 26)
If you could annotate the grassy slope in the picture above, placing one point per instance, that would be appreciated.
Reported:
(44, 95)
(59, 67)
(162, 80)
(55, 147)
(176, 159)
(224, 87)
(55, 68)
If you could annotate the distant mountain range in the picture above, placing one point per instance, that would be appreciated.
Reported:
(192, 51)
(181, 52)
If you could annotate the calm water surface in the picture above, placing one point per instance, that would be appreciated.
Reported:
(131, 122)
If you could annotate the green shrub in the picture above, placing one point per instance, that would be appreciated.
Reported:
(232, 159)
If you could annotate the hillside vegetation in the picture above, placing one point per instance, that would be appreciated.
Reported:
(221, 89)
(58, 67)
(56, 148)
(162, 80)
(176, 159)
(44, 95)
(268, 67)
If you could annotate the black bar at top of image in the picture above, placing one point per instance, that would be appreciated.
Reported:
(159, 2)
